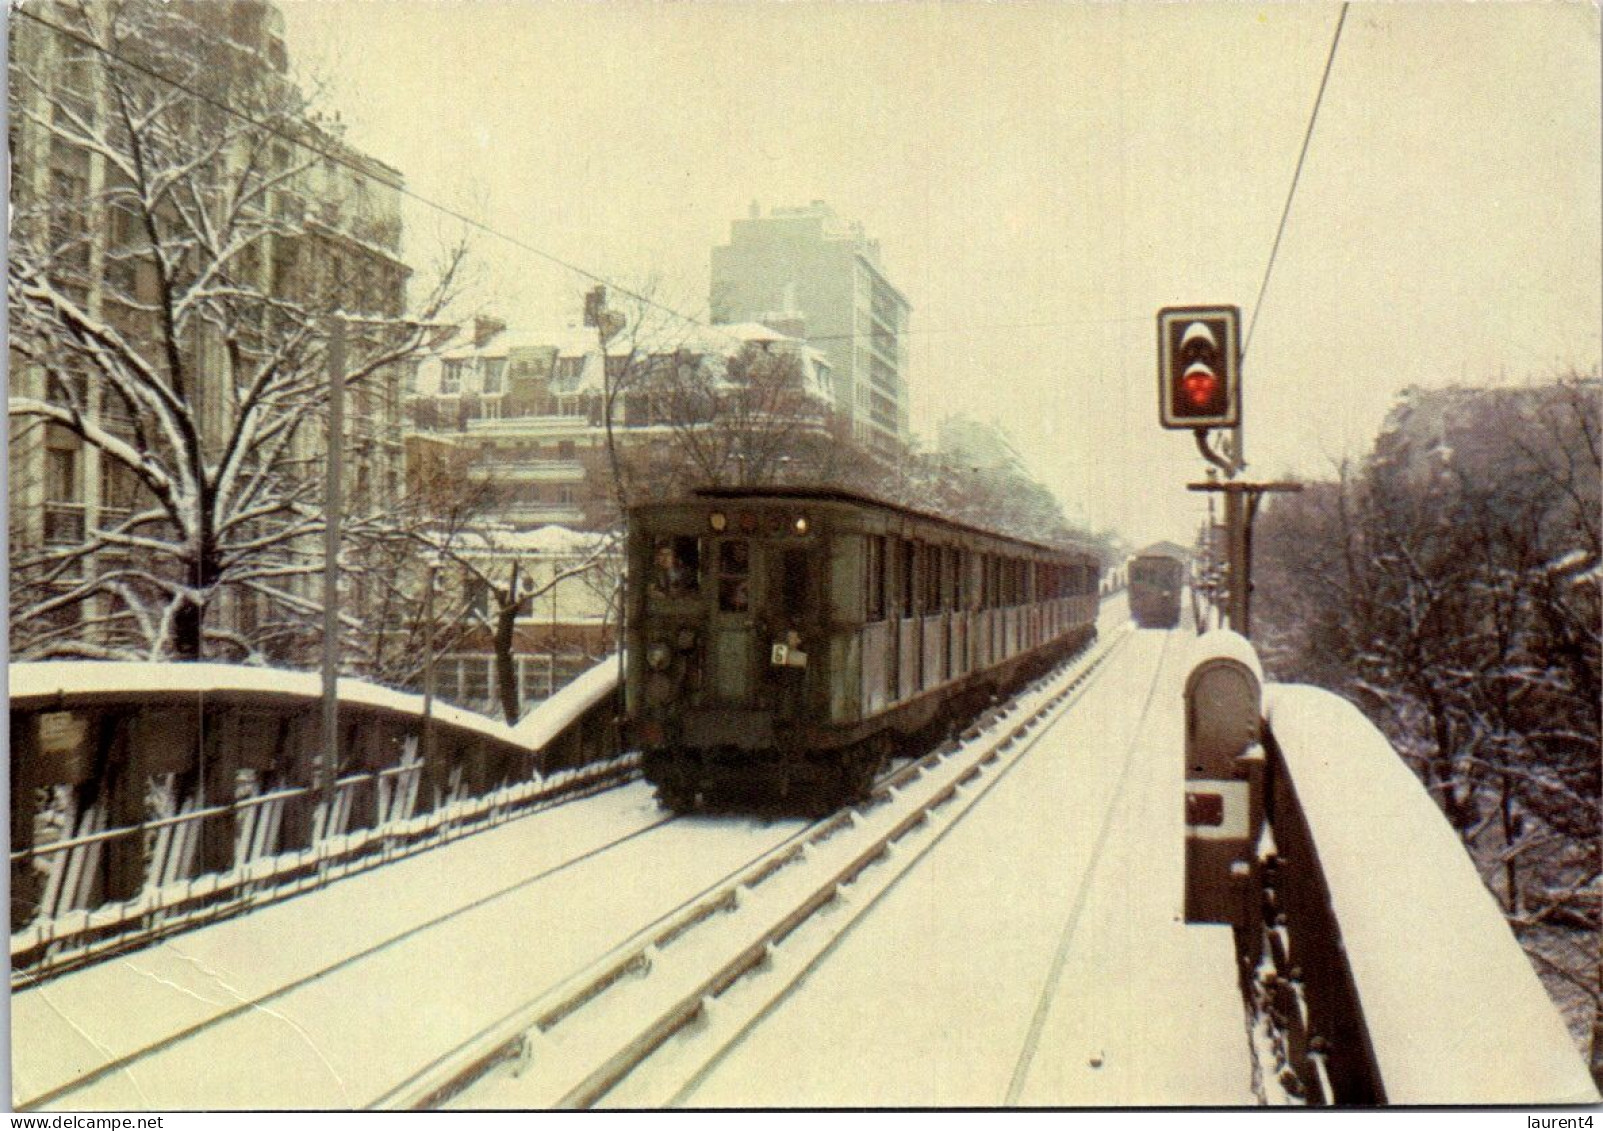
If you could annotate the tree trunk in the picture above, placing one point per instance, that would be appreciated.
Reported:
(189, 620)
(506, 666)
(1511, 833)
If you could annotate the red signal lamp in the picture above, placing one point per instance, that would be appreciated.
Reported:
(1199, 385)
(1199, 359)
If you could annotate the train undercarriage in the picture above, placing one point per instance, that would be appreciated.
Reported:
(815, 770)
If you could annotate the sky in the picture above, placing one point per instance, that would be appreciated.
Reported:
(1042, 178)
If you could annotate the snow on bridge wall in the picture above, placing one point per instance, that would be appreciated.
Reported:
(1445, 1008)
(147, 796)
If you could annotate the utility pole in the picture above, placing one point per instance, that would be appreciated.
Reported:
(327, 765)
(426, 753)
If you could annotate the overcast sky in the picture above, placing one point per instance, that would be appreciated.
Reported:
(1042, 178)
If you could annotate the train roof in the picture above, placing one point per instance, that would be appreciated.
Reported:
(1163, 550)
(826, 494)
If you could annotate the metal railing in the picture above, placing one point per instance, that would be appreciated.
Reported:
(93, 871)
(68, 932)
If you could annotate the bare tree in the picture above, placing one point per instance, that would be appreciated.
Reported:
(1451, 587)
(170, 295)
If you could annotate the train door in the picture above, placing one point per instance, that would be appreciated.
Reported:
(731, 646)
(790, 625)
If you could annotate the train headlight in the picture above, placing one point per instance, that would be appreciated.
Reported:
(658, 656)
(718, 520)
(800, 525)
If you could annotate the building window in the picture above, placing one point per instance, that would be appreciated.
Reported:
(61, 475)
(475, 678)
(494, 374)
(451, 377)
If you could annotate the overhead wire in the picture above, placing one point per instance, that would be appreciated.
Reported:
(1296, 176)
(330, 154)
(338, 158)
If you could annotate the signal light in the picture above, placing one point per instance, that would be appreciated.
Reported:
(1199, 367)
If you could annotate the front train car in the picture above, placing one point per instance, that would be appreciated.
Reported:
(782, 641)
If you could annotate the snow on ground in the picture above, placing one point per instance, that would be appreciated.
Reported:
(343, 1032)
(1067, 875)
(1453, 1009)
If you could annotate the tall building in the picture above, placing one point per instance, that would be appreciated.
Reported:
(209, 277)
(806, 272)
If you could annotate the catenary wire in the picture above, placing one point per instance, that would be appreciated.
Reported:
(329, 154)
(332, 155)
(1285, 214)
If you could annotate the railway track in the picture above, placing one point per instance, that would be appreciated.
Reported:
(249, 1004)
(637, 1026)
(686, 949)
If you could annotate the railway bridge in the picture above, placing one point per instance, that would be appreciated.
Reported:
(1151, 878)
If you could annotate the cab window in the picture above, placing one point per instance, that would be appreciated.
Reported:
(675, 566)
(734, 580)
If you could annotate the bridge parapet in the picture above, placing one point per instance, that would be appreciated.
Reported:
(1388, 964)
(149, 797)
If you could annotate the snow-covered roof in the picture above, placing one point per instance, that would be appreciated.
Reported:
(552, 539)
(721, 340)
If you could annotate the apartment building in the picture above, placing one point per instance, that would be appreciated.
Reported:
(816, 276)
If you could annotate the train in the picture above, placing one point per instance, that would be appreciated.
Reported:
(1157, 575)
(783, 643)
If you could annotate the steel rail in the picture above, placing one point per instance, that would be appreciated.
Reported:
(371, 951)
(582, 1066)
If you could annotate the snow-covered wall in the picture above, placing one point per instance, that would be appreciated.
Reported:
(35, 685)
(1453, 1011)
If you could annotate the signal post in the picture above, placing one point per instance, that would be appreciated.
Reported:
(1199, 388)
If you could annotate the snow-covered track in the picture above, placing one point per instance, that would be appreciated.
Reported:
(373, 953)
(573, 1045)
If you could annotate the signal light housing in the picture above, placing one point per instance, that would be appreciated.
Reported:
(1199, 367)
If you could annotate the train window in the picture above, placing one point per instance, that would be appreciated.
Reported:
(794, 586)
(675, 565)
(874, 559)
(955, 561)
(734, 586)
(932, 579)
(906, 556)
